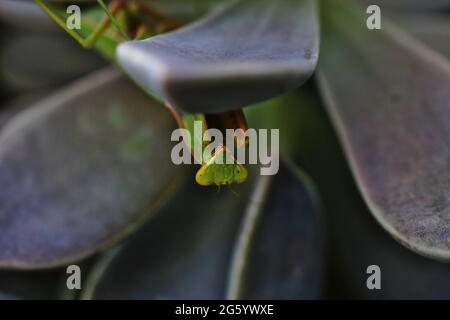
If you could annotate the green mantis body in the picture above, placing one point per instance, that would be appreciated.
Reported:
(121, 16)
(219, 174)
(215, 171)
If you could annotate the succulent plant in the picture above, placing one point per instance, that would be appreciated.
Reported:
(86, 176)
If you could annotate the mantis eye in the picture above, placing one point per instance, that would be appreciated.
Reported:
(203, 177)
(240, 174)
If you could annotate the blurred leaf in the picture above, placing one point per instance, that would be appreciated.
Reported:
(54, 61)
(411, 4)
(186, 9)
(285, 113)
(432, 29)
(25, 15)
(389, 99)
(15, 285)
(281, 245)
(183, 253)
(355, 240)
(41, 285)
(358, 242)
(19, 104)
(81, 170)
(192, 244)
(228, 59)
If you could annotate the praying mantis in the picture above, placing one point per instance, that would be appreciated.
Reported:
(216, 171)
(123, 20)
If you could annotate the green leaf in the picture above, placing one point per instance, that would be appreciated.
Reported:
(287, 113)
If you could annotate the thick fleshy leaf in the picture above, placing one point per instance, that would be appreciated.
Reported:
(229, 60)
(355, 240)
(192, 244)
(82, 169)
(359, 242)
(279, 252)
(389, 99)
